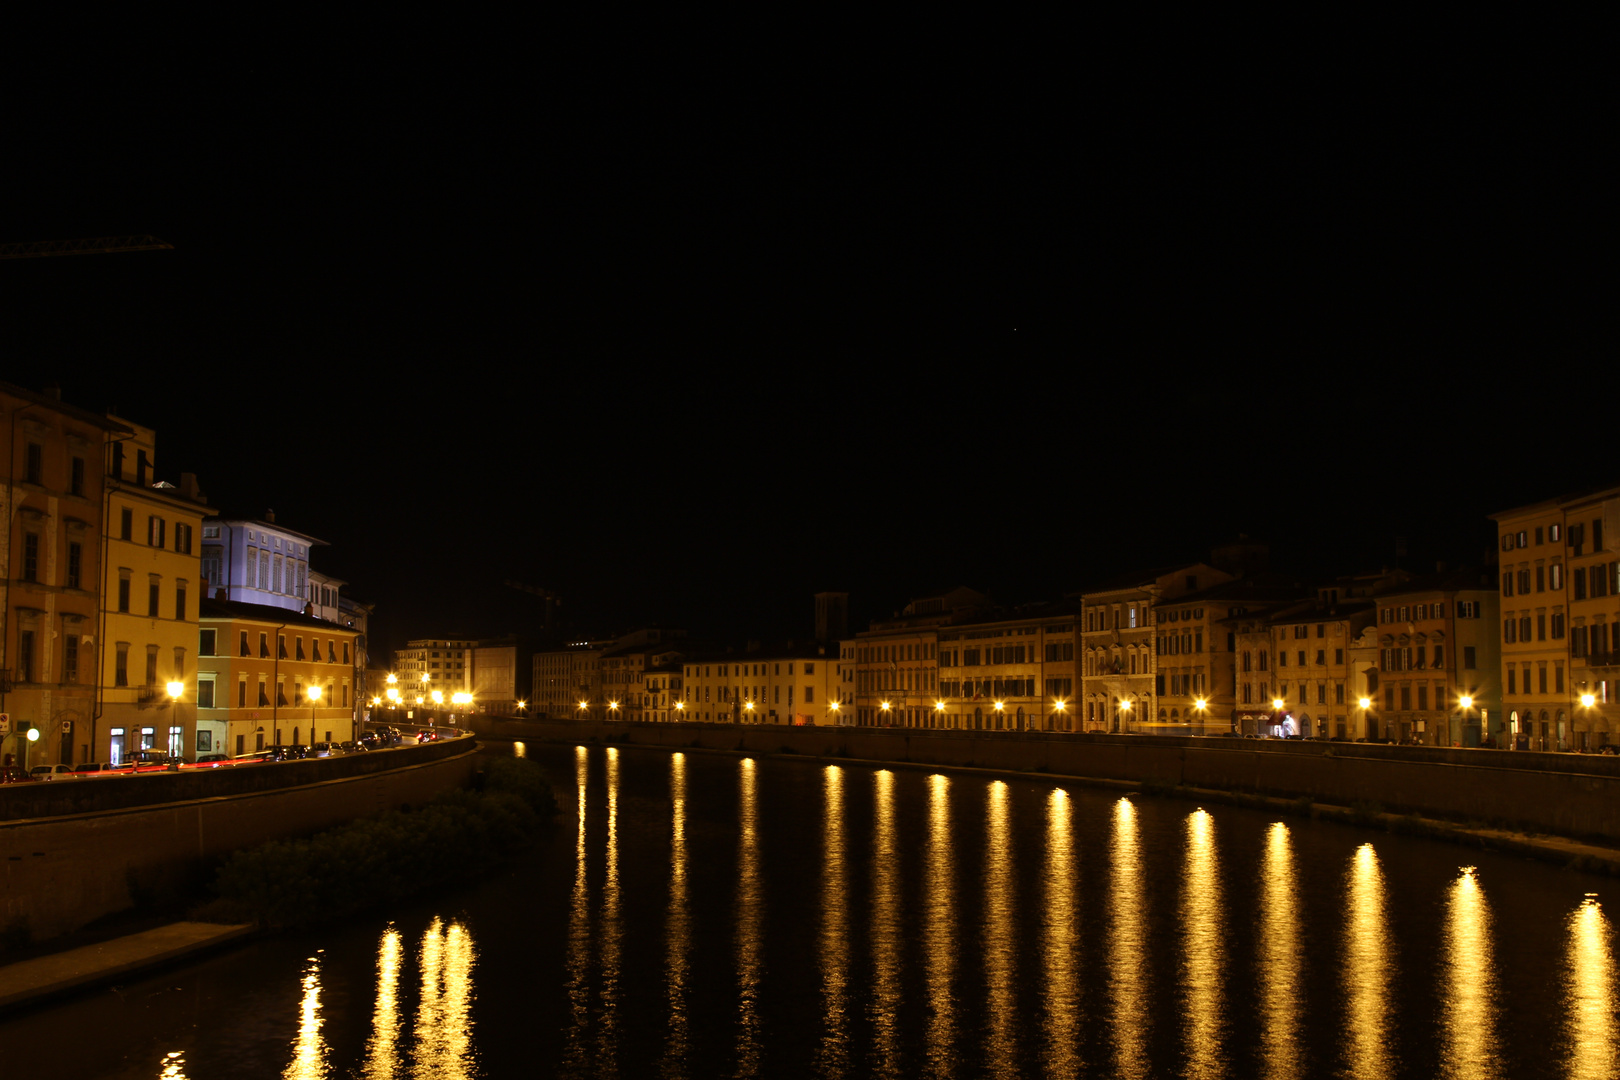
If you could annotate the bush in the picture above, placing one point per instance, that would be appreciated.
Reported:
(386, 857)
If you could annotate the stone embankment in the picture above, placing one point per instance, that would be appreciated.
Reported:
(1568, 795)
(75, 850)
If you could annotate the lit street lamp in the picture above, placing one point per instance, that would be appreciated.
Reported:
(314, 695)
(939, 708)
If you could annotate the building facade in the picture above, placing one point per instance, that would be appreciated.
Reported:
(268, 676)
(256, 561)
(50, 574)
(151, 588)
(1439, 657)
(790, 685)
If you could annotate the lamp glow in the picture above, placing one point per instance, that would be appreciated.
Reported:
(1466, 701)
(1588, 700)
(176, 689)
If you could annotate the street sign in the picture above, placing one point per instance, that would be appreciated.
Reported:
(5, 723)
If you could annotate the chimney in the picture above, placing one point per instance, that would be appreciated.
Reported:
(270, 516)
(189, 488)
(52, 391)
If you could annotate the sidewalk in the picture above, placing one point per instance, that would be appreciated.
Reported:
(42, 976)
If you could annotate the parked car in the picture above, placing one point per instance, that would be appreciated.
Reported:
(325, 749)
(147, 761)
(14, 774)
(354, 746)
(92, 768)
(51, 772)
(208, 761)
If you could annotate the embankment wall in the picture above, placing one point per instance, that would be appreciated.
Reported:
(62, 871)
(1573, 795)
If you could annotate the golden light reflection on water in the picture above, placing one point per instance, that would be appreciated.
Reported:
(679, 924)
(382, 1053)
(607, 1034)
(1590, 993)
(1127, 946)
(885, 928)
(579, 932)
(444, 1021)
(938, 941)
(1469, 1049)
(1202, 955)
(750, 913)
(834, 1052)
(1367, 970)
(1062, 944)
(174, 1066)
(1000, 940)
(309, 1052)
(520, 749)
(1279, 959)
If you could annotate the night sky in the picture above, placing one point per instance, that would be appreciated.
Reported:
(687, 342)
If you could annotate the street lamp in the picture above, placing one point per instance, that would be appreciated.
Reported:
(314, 695)
(1059, 706)
(939, 708)
(680, 709)
(833, 708)
(584, 708)
(175, 689)
(885, 707)
(748, 707)
(1000, 708)
(1124, 715)
(1201, 706)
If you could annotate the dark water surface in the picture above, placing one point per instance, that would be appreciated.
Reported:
(700, 915)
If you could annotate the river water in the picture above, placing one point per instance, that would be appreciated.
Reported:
(705, 915)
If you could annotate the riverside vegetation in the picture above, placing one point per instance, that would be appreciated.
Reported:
(388, 856)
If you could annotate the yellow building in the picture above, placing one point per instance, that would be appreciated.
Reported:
(1439, 660)
(50, 574)
(1533, 594)
(1592, 583)
(151, 587)
(793, 685)
(268, 676)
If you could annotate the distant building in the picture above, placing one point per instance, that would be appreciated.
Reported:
(256, 561)
(493, 673)
(1439, 660)
(323, 592)
(426, 665)
(787, 685)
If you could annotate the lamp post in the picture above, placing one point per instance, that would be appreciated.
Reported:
(1465, 702)
(314, 695)
(885, 707)
(1201, 707)
(1125, 716)
(1588, 701)
(1277, 706)
(584, 710)
(175, 689)
(1059, 707)
(1001, 719)
(833, 709)
(680, 710)
(939, 711)
(748, 708)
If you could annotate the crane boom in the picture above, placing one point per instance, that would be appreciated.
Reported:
(101, 245)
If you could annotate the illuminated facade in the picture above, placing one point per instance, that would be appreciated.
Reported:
(51, 572)
(151, 589)
(258, 670)
(1592, 588)
(1010, 671)
(1439, 660)
(1310, 657)
(789, 686)
(1120, 653)
(1534, 603)
(426, 665)
(256, 561)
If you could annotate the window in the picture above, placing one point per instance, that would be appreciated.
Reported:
(126, 524)
(121, 665)
(152, 589)
(34, 471)
(264, 645)
(76, 476)
(155, 531)
(180, 602)
(75, 563)
(30, 566)
(281, 646)
(1555, 576)
(298, 647)
(1507, 583)
(207, 640)
(70, 657)
(264, 697)
(205, 693)
(25, 656)
(151, 665)
(182, 538)
(1558, 625)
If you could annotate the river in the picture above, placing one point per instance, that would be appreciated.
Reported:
(702, 915)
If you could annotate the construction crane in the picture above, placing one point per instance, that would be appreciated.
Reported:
(551, 599)
(101, 245)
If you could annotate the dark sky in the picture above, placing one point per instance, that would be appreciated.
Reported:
(687, 342)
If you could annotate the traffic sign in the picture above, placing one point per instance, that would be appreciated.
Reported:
(5, 723)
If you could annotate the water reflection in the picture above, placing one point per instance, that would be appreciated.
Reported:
(750, 911)
(444, 1021)
(1202, 960)
(679, 924)
(519, 749)
(886, 929)
(579, 932)
(1367, 970)
(938, 917)
(382, 1054)
(1062, 945)
(834, 1052)
(1000, 941)
(309, 1052)
(174, 1066)
(1591, 1000)
(1279, 959)
(1127, 946)
(607, 1035)
(1469, 1047)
